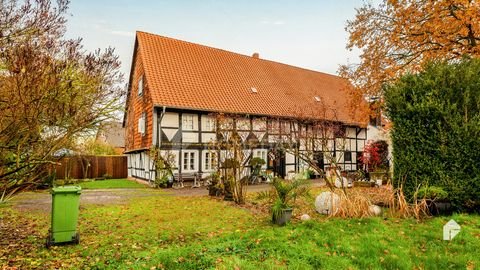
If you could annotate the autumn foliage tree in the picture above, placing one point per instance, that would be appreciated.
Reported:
(375, 155)
(400, 36)
(51, 90)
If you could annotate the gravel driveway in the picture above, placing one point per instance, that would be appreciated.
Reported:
(42, 200)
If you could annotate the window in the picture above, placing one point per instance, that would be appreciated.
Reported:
(189, 161)
(209, 123)
(285, 127)
(209, 162)
(347, 156)
(187, 122)
(261, 154)
(142, 124)
(140, 86)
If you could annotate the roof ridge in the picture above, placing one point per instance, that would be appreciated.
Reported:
(243, 55)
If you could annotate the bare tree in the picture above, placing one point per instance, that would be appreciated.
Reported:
(234, 153)
(51, 90)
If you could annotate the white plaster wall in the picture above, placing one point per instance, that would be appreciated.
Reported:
(208, 137)
(362, 134)
(259, 124)
(190, 137)
(170, 119)
(289, 158)
(273, 138)
(289, 168)
(243, 124)
(351, 132)
(361, 145)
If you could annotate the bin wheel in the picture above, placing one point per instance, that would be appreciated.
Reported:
(76, 240)
(48, 241)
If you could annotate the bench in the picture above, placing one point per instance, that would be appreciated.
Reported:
(179, 178)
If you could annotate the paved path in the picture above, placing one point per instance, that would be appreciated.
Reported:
(41, 200)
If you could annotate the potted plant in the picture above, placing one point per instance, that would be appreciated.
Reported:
(436, 198)
(256, 163)
(286, 192)
(215, 186)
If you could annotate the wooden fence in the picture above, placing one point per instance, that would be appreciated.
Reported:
(81, 167)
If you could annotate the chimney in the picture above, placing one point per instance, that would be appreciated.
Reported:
(256, 55)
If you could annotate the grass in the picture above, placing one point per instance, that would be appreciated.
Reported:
(166, 232)
(111, 183)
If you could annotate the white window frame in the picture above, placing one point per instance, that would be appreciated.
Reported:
(188, 122)
(209, 124)
(261, 153)
(142, 124)
(140, 86)
(209, 161)
(189, 161)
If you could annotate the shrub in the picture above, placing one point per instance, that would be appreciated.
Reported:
(375, 155)
(436, 126)
(432, 193)
(257, 162)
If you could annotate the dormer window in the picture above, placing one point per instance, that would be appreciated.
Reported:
(140, 86)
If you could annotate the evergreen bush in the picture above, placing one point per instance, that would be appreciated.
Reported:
(436, 130)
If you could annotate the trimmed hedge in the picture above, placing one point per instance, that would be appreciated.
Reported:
(436, 130)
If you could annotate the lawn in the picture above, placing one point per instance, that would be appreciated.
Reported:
(168, 232)
(111, 183)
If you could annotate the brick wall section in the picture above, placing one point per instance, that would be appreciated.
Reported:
(136, 106)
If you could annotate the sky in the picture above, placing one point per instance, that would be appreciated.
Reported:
(303, 33)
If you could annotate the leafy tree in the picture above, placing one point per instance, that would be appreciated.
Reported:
(96, 148)
(399, 37)
(436, 130)
(51, 90)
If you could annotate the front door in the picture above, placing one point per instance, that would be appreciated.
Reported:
(277, 163)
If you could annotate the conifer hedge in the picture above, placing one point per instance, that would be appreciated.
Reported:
(436, 130)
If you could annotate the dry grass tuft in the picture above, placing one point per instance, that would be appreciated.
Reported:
(353, 205)
(399, 206)
(357, 202)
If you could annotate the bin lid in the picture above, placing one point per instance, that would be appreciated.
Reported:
(67, 189)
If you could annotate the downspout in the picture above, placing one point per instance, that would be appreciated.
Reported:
(159, 126)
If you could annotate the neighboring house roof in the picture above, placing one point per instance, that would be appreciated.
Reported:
(112, 133)
(185, 75)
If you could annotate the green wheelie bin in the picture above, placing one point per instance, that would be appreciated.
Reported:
(65, 207)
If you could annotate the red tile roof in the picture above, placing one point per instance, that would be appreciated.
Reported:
(186, 75)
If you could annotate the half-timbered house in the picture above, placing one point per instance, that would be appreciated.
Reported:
(176, 88)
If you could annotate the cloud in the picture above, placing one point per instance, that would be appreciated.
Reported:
(122, 33)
